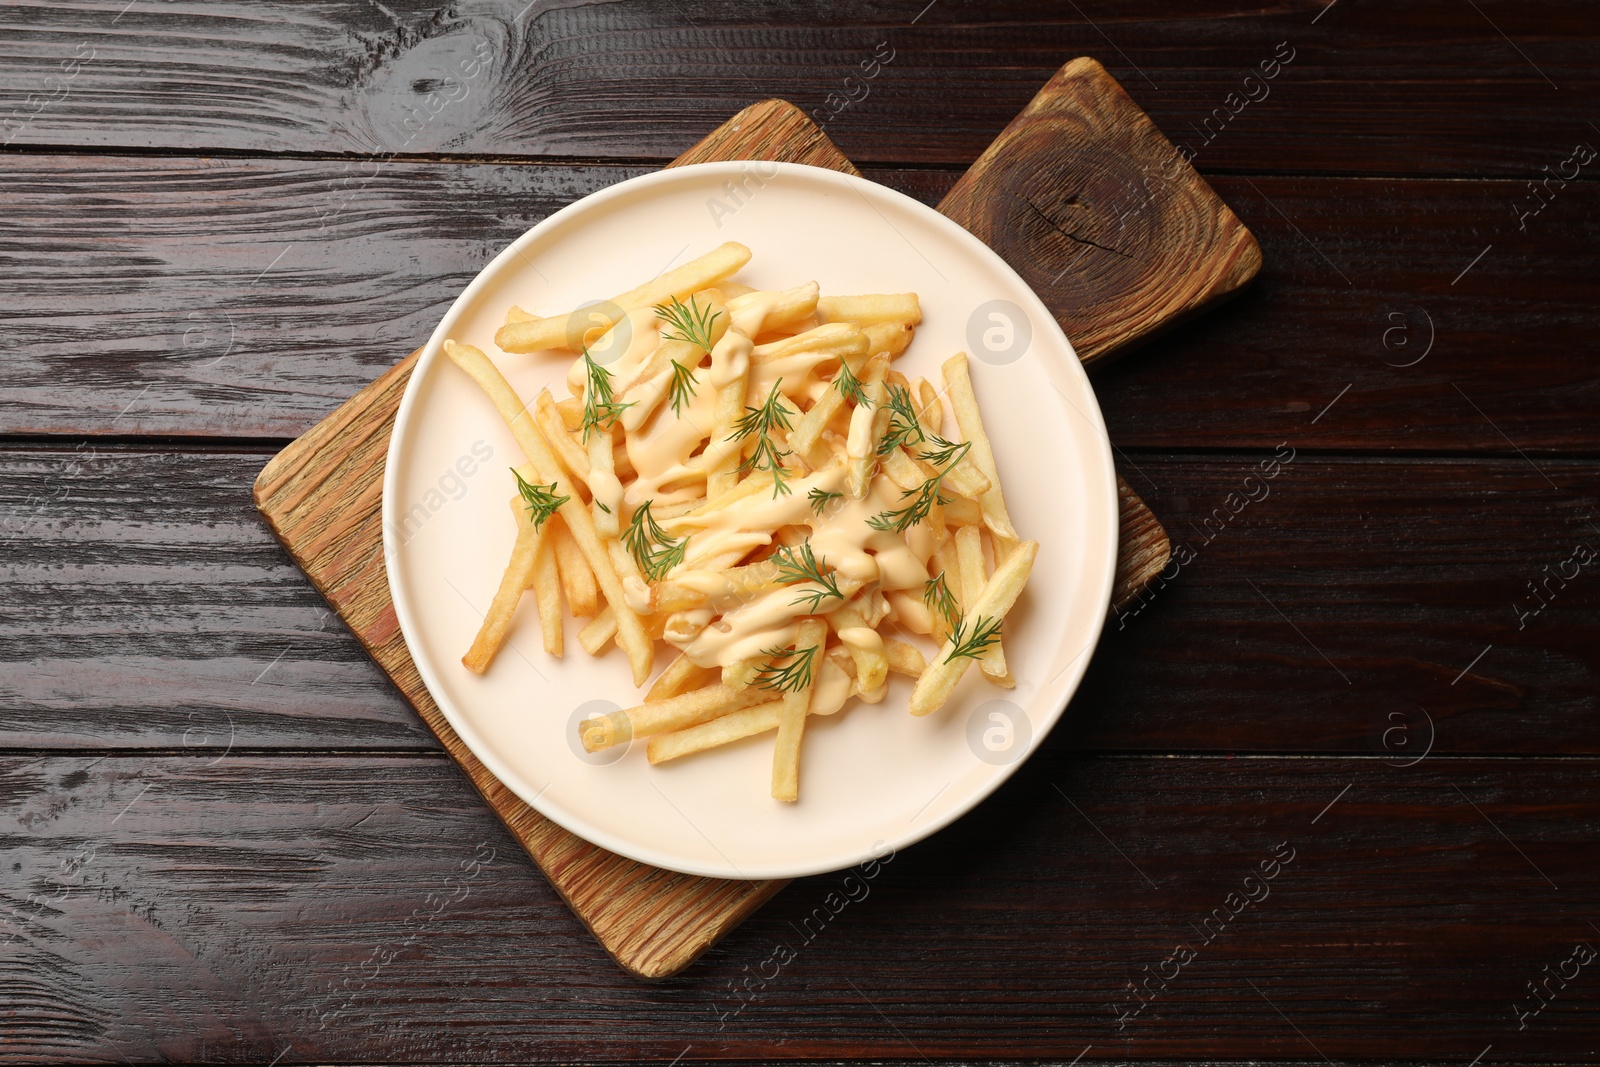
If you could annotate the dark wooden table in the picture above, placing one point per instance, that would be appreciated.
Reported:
(1329, 794)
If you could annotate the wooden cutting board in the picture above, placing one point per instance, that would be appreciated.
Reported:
(1081, 195)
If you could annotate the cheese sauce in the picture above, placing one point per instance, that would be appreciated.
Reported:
(668, 452)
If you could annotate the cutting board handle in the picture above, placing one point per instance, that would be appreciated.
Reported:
(1103, 216)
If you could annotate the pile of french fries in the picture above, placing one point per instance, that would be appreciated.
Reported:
(803, 507)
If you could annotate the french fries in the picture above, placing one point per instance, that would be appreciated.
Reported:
(744, 477)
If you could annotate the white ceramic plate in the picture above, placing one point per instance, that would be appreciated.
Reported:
(873, 778)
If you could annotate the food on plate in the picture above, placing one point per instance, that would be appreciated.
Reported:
(743, 476)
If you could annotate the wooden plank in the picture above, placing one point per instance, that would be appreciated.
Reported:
(163, 599)
(1415, 87)
(120, 320)
(338, 909)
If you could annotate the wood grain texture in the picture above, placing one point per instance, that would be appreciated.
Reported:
(1102, 216)
(322, 497)
(170, 908)
(138, 303)
(144, 606)
(642, 81)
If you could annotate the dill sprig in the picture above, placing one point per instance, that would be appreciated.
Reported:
(801, 565)
(936, 594)
(683, 383)
(541, 499)
(903, 425)
(688, 322)
(692, 324)
(600, 407)
(820, 499)
(972, 643)
(944, 453)
(792, 676)
(850, 386)
(902, 519)
(759, 423)
(649, 545)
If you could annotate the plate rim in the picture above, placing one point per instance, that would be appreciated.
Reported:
(432, 351)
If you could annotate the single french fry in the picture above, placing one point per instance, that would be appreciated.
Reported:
(998, 595)
(718, 589)
(577, 579)
(930, 412)
(962, 511)
(949, 566)
(741, 674)
(546, 584)
(681, 675)
(630, 632)
(723, 730)
(969, 555)
(685, 709)
(902, 469)
(867, 427)
(835, 683)
(756, 312)
(571, 411)
(870, 309)
(598, 631)
(909, 611)
(551, 424)
(958, 386)
(888, 338)
(558, 331)
(833, 341)
(722, 465)
(792, 719)
(863, 643)
(503, 608)
(904, 657)
(603, 483)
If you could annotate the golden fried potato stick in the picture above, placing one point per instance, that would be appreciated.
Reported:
(681, 675)
(792, 720)
(904, 657)
(603, 483)
(546, 585)
(871, 309)
(724, 730)
(867, 426)
(990, 605)
(554, 428)
(958, 386)
(536, 335)
(969, 558)
(577, 579)
(503, 608)
(598, 631)
(630, 631)
(674, 713)
(756, 312)
(863, 643)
